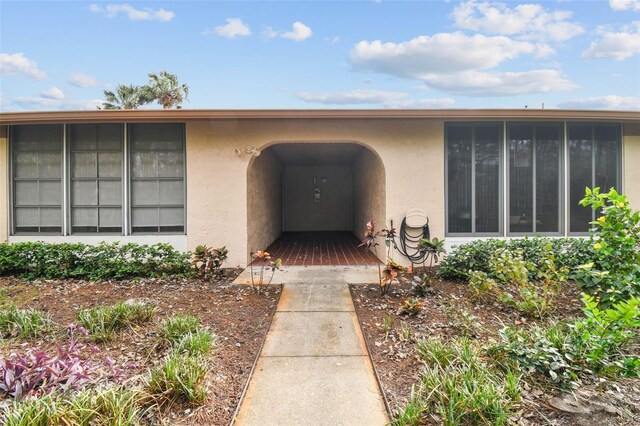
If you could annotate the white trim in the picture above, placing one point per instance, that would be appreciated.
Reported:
(179, 242)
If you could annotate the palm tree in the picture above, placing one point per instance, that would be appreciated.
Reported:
(125, 97)
(165, 88)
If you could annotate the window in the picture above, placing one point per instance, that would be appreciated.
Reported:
(473, 179)
(102, 179)
(96, 178)
(594, 160)
(157, 177)
(37, 178)
(535, 179)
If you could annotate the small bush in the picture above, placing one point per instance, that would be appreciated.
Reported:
(476, 255)
(199, 342)
(208, 261)
(103, 322)
(31, 260)
(25, 323)
(179, 378)
(613, 273)
(562, 352)
(482, 285)
(459, 387)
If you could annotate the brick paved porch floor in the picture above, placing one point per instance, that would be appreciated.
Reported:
(320, 249)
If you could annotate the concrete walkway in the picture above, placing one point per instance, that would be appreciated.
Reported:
(314, 368)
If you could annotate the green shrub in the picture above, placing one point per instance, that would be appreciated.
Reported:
(179, 377)
(199, 342)
(562, 352)
(535, 252)
(482, 285)
(173, 329)
(458, 386)
(613, 274)
(25, 323)
(103, 322)
(30, 260)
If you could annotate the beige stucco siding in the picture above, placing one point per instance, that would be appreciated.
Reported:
(264, 206)
(4, 185)
(369, 188)
(631, 164)
(412, 153)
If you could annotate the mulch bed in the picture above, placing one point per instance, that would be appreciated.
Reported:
(237, 314)
(451, 312)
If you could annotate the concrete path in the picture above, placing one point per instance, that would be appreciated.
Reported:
(314, 368)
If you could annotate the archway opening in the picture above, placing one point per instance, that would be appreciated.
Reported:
(308, 202)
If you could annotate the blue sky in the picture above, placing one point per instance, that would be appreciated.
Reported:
(326, 54)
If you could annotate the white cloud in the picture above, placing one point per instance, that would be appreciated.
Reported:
(530, 21)
(233, 28)
(478, 83)
(53, 93)
(299, 32)
(144, 14)
(82, 80)
(42, 103)
(625, 4)
(18, 64)
(439, 53)
(615, 45)
(372, 97)
(604, 102)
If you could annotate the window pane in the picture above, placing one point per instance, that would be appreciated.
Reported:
(171, 220)
(144, 220)
(50, 192)
(459, 178)
(606, 157)
(84, 193)
(144, 193)
(547, 179)
(144, 164)
(110, 164)
(487, 195)
(110, 137)
(521, 179)
(171, 192)
(82, 137)
(84, 164)
(170, 164)
(580, 169)
(27, 217)
(110, 192)
(50, 220)
(110, 220)
(84, 220)
(49, 165)
(26, 193)
(25, 164)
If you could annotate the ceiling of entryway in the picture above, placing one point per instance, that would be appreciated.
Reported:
(316, 154)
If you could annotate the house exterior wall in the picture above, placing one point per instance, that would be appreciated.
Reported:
(369, 188)
(631, 163)
(264, 206)
(4, 184)
(412, 153)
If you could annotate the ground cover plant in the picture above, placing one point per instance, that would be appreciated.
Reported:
(25, 323)
(575, 345)
(198, 377)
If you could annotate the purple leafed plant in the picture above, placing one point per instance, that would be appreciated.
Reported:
(37, 373)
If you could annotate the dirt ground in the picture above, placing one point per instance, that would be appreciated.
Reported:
(450, 312)
(237, 314)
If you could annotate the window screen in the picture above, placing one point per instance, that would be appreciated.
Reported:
(37, 178)
(594, 158)
(473, 179)
(534, 178)
(96, 177)
(157, 177)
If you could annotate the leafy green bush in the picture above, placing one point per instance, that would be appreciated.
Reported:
(23, 322)
(613, 274)
(458, 386)
(596, 344)
(30, 260)
(536, 251)
(103, 322)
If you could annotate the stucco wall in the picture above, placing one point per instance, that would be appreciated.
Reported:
(412, 152)
(631, 158)
(264, 204)
(369, 195)
(4, 185)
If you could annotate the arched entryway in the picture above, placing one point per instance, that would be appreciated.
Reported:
(309, 201)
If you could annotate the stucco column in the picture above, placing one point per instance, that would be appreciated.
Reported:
(631, 156)
(4, 184)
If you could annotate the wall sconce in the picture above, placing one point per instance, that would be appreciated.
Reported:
(248, 150)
